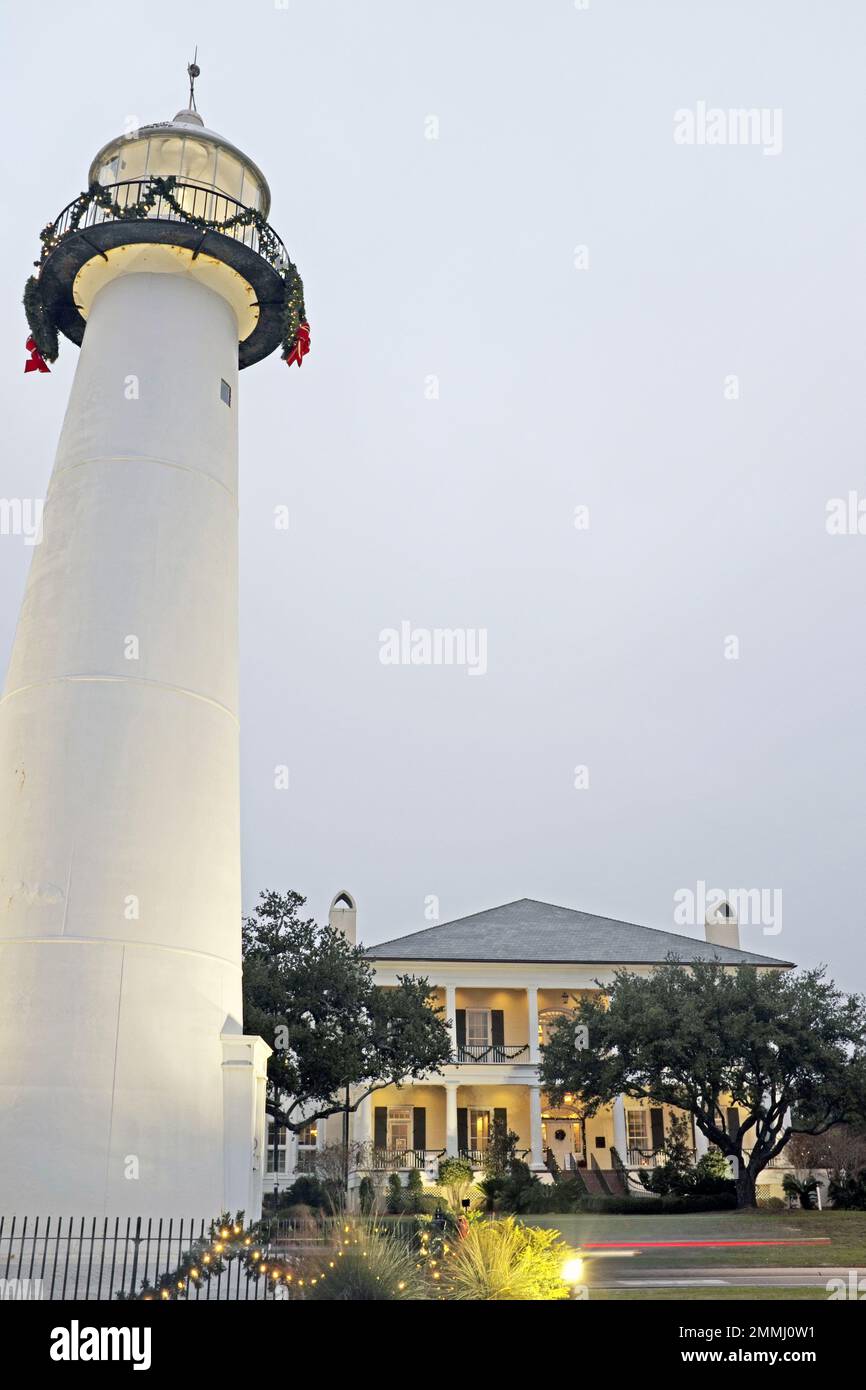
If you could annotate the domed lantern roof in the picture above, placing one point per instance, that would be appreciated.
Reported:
(185, 148)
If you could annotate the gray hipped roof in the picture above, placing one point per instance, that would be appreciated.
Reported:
(531, 931)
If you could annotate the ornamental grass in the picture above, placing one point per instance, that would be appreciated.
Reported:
(502, 1261)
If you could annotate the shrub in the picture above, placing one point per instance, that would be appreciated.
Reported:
(499, 1261)
(771, 1203)
(803, 1189)
(366, 1195)
(413, 1196)
(453, 1195)
(500, 1155)
(847, 1191)
(455, 1170)
(677, 1177)
(661, 1206)
(372, 1265)
(492, 1189)
(558, 1197)
(394, 1200)
(306, 1191)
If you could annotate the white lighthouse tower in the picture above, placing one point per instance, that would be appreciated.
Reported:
(127, 1085)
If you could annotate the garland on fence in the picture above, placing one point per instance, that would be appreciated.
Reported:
(227, 1240)
(295, 339)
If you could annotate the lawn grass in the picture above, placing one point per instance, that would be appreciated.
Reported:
(846, 1231)
(729, 1294)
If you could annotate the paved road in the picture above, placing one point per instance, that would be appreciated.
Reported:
(602, 1276)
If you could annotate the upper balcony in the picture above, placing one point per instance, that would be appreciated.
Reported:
(131, 224)
(502, 1027)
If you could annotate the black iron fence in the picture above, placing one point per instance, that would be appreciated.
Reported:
(190, 201)
(496, 1052)
(100, 1258)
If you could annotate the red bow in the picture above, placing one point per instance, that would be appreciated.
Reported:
(302, 346)
(36, 362)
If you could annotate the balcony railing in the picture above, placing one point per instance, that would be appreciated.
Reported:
(495, 1052)
(194, 200)
(474, 1156)
(395, 1159)
(650, 1158)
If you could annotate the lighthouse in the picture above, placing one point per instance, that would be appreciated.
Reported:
(127, 1084)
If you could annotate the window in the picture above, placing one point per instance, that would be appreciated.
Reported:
(399, 1128)
(636, 1129)
(309, 1134)
(477, 1027)
(548, 1022)
(225, 393)
(478, 1129)
(276, 1158)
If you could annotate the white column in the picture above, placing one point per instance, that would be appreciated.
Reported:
(451, 1118)
(532, 997)
(363, 1131)
(244, 1068)
(450, 1015)
(620, 1134)
(536, 1156)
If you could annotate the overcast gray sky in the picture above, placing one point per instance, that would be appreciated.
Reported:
(603, 384)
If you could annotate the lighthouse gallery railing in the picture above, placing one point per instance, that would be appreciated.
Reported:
(197, 201)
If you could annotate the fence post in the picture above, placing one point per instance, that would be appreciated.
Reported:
(136, 1241)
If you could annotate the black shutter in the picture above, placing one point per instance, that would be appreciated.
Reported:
(733, 1121)
(419, 1127)
(460, 1024)
(500, 1121)
(462, 1128)
(657, 1127)
(497, 1027)
(380, 1127)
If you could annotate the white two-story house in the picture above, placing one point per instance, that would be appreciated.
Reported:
(503, 977)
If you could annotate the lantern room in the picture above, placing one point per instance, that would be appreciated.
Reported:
(195, 156)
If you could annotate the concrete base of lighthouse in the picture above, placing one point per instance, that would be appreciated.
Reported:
(127, 1086)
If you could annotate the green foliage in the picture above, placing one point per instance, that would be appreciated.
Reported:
(306, 1191)
(395, 1193)
(700, 1038)
(501, 1151)
(503, 1261)
(39, 321)
(491, 1190)
(848, 1191)
(455, 1170)
(366, 1195)
(377, 1266)
(803, 1189)
(655, 1206)
(311, 995)
(415, 1198)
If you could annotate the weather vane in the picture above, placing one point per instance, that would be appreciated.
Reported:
(194, 71)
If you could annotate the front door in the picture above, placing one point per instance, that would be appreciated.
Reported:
(562, 1138)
